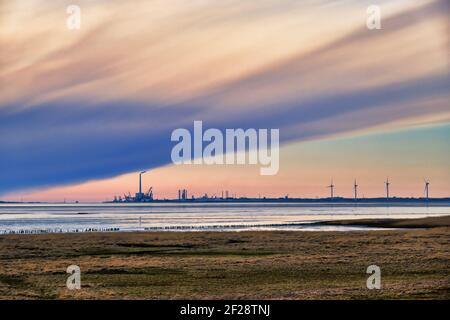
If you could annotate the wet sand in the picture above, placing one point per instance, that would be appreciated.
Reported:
(415, 264)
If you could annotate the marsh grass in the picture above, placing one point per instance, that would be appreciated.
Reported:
(229, 265)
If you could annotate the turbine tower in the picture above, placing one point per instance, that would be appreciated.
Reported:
(427, 184)
(331, 186)
(355, 188)
(387, 188)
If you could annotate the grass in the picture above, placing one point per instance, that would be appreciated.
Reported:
(228, 265)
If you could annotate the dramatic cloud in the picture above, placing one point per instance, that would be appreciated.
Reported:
(103, 101)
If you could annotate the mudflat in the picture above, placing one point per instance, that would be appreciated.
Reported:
(429, 222)
(415, 264)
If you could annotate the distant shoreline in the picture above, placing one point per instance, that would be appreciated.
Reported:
(337, 200)
(284, 200)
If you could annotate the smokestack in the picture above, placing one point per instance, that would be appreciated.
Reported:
(140, 180)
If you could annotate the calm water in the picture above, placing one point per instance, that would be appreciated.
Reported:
(179, 217)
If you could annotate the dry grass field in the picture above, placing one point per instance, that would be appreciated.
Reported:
(415, 264)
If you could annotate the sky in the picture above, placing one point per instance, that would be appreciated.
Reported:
(82, 111)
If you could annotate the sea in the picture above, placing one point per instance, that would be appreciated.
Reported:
(123, 217)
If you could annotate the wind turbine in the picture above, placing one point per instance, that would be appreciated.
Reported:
(427, 184)
(331, 186)
(355, 188)
(387, 187)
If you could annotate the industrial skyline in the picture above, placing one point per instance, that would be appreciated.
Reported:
(183, 194)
